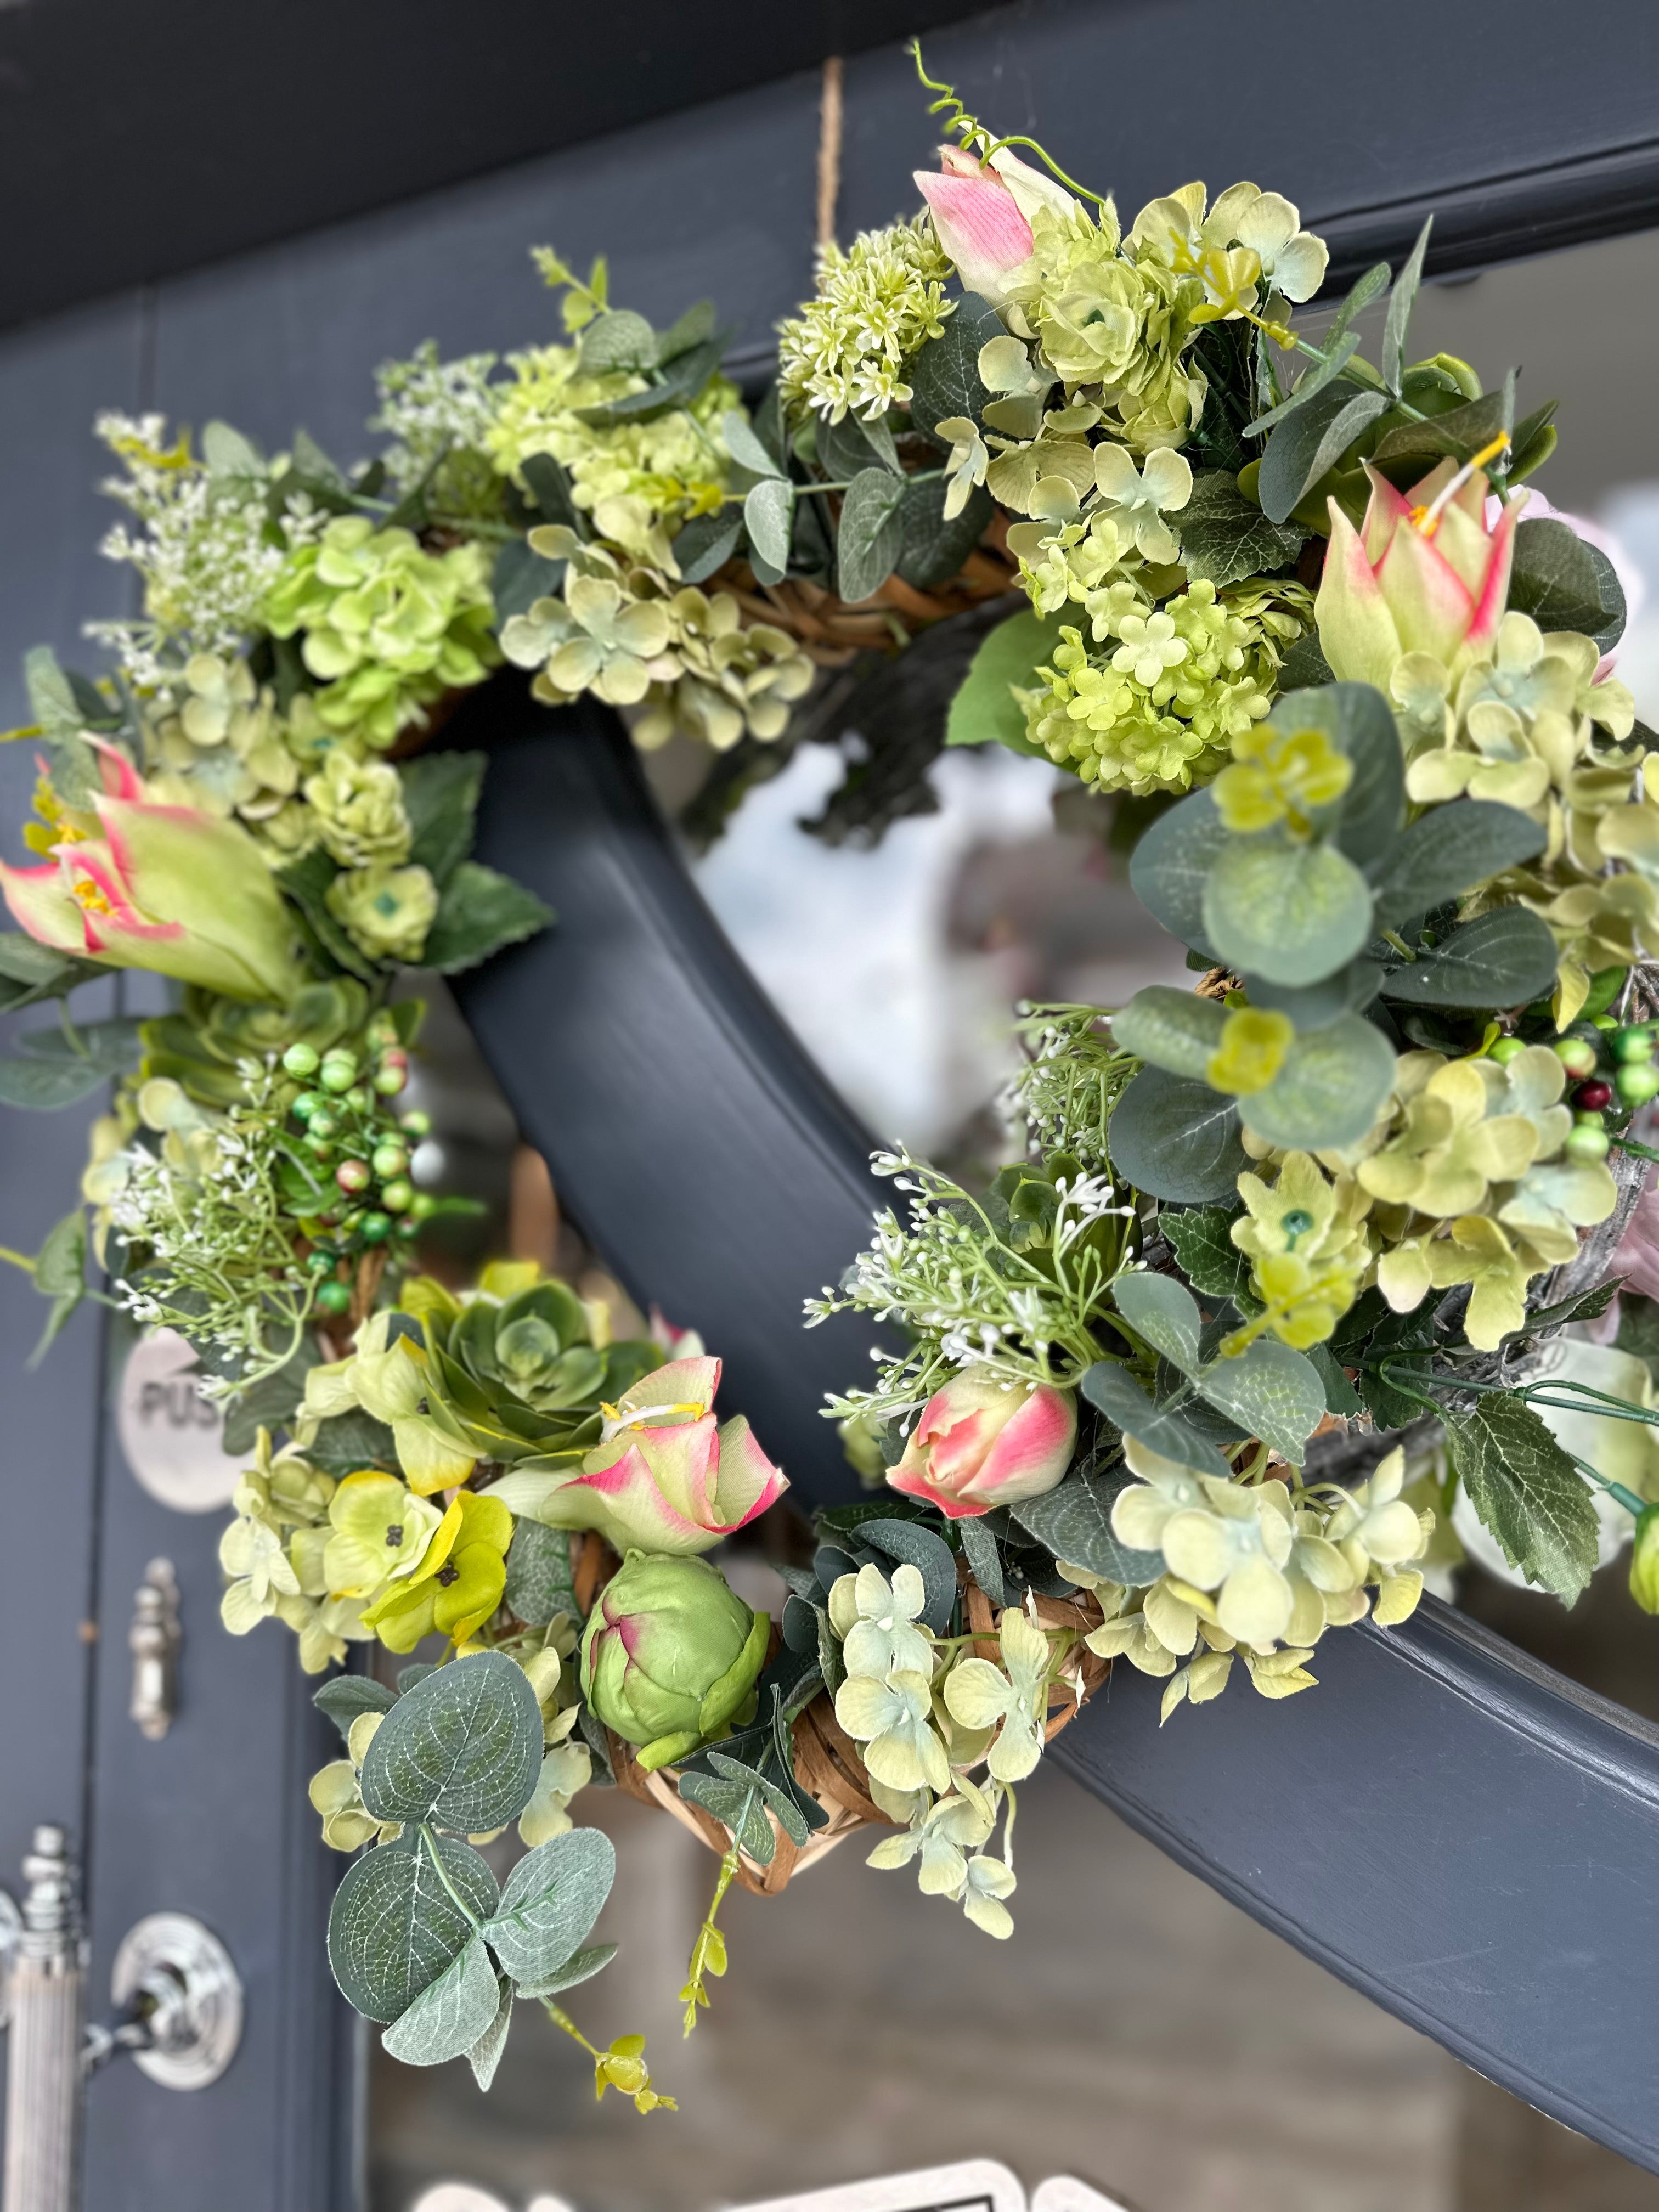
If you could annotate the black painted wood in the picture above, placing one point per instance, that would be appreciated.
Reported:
(1462, 1834)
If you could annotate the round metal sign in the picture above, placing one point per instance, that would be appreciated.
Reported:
(169, 1431)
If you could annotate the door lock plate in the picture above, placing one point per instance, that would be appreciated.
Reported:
(177, 1975)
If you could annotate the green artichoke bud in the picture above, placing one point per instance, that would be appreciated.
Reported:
(1644, 1560)
(670, 1656)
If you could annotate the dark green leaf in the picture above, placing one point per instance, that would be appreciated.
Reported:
(1201, 1238)
(1074, 1523)
(847, 446)
(270, 1402)
(984, 710)
(1414, 447)
(550, 1902)
(463, 1749)
(768, 513)
(1527, 1492)
(520, 577)
(549, 487)
(479, 912)
(307, 882)
(1114, 1391)
(914, 1544)
(345, 1441)
(934, 547)
(1366, 289)
(1401, 300)
(1225, 537)
(692, 329)
(1177, 1139)
(1313, 1006)
(60, 1264)
(780, 1802)
(1341, 1396)
(394, 1927)
(1339, 352)
(1639, 1329)
(707, 544)
(677, 388)
(348, 1696)
(871, 536)
(979, 1548)
(1304, 665)
(539, 1586)
(1504, 958)
(1563, 583)
(739, 1807)
(944, 373)
(441, 792)
(1314, 440)
(1448, 850)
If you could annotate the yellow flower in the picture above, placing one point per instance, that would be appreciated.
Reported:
(1254, 1043)
(458, 1582)
(1281, 775)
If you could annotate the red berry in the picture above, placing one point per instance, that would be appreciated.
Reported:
(1591, 1097)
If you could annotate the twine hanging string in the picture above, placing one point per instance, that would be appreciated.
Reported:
(829, 123)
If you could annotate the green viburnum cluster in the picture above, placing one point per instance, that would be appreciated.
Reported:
(876, 301)
(385, 626)
(215, 739)
(1256, 1571)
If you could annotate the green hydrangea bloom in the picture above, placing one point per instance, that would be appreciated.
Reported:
(386, 911)
(734, 679)
(1305, 1235)
(387, 626)
(360, 811)
(874, 303)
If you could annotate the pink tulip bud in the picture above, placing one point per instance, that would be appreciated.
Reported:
(983, 215)
(1424, 574)
(980, 1443)
(163, 887)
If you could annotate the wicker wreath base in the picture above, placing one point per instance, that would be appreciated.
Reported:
(828, 1763)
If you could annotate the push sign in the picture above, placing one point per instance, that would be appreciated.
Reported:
(169, 1431)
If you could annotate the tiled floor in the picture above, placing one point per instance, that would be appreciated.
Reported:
(1137, 2031)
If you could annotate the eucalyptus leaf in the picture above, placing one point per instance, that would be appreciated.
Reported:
(1287, 910)
(744, 448)
(520, 578)
(979, 1548)
(1170, 1028)
(540, 1584)
(936, 544)
(1401, 300)
(1339, 352)
(871, 536)
(450, 2015)
(348, 1696)
(550, 1902)
(1074, 1523)
(1328, 1090)
(1272, 1392)
(1312, 1005)
(1172, 863)
(706, 545)
(1112, 1390)
(1177, 1139)
(463, 1749)
(1370, 286)
(582, 1967)
(485, 2055)
(1413, 448)
(1163, 1314)
(1313, 440)
(394, 1927)
(943, 374)
(1504, 958)
(619, 339)
(768, 514)
(912, 1544)
(1448, 850)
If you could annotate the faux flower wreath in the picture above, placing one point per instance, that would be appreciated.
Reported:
(1388, 793)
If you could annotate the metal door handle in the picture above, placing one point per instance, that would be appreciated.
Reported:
(178, 2013)
(153, 1640)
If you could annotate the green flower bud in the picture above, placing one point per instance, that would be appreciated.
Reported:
(1644, 1560)
(1636, 1082)
(1506, 1049)
(389, 1158)
(1634, 1043)
(306, 1105)
(339, 1071)
(670, 1656)
(397, 1194)
(301, 1061)
(375, 1228)
(334, 1297)
(1586, 1141)
(418, 1124)
(1576, 1054)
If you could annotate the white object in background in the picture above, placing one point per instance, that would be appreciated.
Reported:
(170, 1433)
(978, 2184)
(1064, 2192)
(462, 2197)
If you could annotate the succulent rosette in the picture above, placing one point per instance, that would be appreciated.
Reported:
(670, 1656)
(666, 1476)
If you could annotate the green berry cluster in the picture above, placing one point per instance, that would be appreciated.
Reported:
(1613, 1072)
(350, 1127)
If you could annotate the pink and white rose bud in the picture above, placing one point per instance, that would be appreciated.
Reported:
(983, 215)
(135, 884)
(665, 1477)
(1416, 577)
(980, 1443)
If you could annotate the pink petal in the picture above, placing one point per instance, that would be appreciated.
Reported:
(1494, 597)
(42, 903)
(913, 1483)
(1384, 511)
(979, 226)
(747, 1482)
(1356, 629)
(121, 780)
